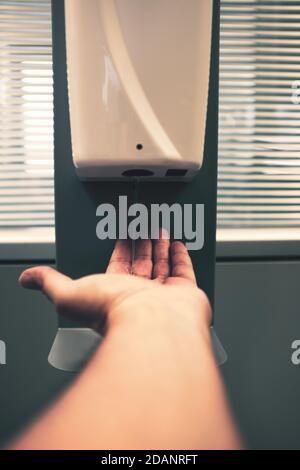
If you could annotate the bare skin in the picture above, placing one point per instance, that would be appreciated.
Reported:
(153, 383)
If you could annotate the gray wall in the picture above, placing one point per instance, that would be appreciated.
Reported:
(257, 318)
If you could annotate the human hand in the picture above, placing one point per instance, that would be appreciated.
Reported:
(160, 275)
(153, 383)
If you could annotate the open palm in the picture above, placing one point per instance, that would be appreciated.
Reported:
(159, 273)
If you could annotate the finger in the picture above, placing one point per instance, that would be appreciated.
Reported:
(52, 283)
(181, 262)
(161, 268)
(142, 264)
(120, 261)
(69, 297)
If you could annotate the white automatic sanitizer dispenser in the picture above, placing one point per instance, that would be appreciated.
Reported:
(138, 78)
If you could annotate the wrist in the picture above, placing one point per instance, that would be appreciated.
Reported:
(152, 315)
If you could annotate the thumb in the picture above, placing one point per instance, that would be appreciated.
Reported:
(45, 279)
(56, 286)
(84, 300)
(59, 289)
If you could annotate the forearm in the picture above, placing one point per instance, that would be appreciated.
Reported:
(173, 396)
(150, 385)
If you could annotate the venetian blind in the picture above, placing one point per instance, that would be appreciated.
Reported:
(259, 136)
(26, 115)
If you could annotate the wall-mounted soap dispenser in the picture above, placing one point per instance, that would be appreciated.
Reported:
(138, 80)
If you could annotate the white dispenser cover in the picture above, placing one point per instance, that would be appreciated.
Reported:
(138, 78)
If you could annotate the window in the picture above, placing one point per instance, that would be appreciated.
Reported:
(259, 137)
(26, 122)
